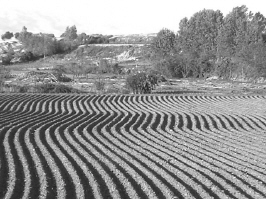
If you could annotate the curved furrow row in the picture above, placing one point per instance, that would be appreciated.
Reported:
(70, 184)
(208, 134)
(8, 146)
(48, 155)
(11, 181)
(168, 140)
(98, 135)
(224, 151)
(16, 129)
(263, 188)
(227, 170)
(230, 132)
(4, 171)
(140, 140)
(155, 131)
(186, 161)
(79, 190)
(11, 101)
(235, 133)
(113, 191)
(25, 165)
(61, 129)
(111, 184)
(42, 176)
(144, 146)
(6, 101)
(16, 103)
(18, 117)
(251, 176)
(34, 120)
(132, 145)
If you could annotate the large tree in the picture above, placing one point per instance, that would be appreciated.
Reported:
(38, 44)
(197, 39)
(163, 44)
(70, 33)
(69, 42)
(162, 51)
(241, 42)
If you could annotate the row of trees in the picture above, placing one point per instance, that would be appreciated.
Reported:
(41, 45)
(46, 44)
(210, 44)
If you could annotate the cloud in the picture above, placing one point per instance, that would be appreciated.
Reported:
(107, 17)
(35, 22)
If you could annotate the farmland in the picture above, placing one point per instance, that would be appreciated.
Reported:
(125, 146)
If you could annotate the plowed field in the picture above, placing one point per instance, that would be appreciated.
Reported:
(123, 146)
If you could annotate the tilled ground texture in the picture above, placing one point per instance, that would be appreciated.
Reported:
(125, 146)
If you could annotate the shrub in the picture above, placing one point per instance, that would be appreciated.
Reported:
(23, 89)
(7, 35)
(54, 88)
(26, 56)
(99, 84)
(116, 68)
(63, 78)
(6, 59)
(140, 83)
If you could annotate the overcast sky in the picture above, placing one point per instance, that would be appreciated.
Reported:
(108, 16)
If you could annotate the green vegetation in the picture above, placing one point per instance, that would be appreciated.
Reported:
(7, 35)
(209, 44)
(141, 83)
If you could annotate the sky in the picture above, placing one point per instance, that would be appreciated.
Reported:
(108, 17)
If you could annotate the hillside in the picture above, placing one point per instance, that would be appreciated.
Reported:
(10, 43)
(119, 49)
(114, 53)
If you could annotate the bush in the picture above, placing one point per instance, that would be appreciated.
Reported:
(99, 84)
(63, 78)
(141, 83)
(7, 35)
(26, 56)
(6, 59)
(24, 89)
(116, 68)
(54, 88)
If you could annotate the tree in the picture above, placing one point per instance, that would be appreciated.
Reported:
(49, 46)
(241, 41)
(163, 44)
(197, 40)
(24, 36)
(70, 33)
(7, 35)
(69, 42)
(163, 50)
(16, 35)
(232, 34)
(81, 38)
(38, 44)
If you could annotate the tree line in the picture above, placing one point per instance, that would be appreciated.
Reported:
(210, 44)
(42, 44)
